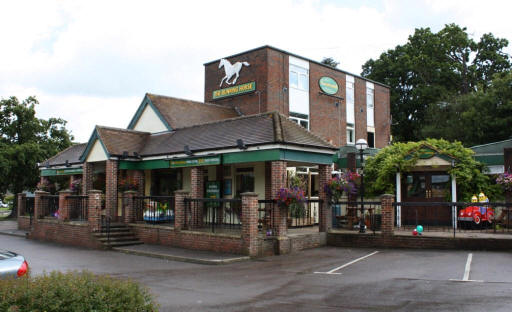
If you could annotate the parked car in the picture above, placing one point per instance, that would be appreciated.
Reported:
(12, 264)
(474, 215)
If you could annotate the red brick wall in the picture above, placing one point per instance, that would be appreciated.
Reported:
(87, 177)
(278, 181)
(360, 108)
(415, 242)
(324, 174)
(382, 116)
(326, 119)
(64, 233)
(277, 79)
(111, 174)
(257, 71)
(189, 239)
(24, 223)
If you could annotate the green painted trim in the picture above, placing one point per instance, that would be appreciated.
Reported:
(143, 165)
(90, 144)
(61, 172)
(491, 160)
(234, 90)
(196, 161)
(308, 157)
(252, 156)
(145, 102)
(277, 154)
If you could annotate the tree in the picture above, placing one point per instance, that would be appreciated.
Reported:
(381, 169)
(433, 69)
(329, 61)
(25, 141)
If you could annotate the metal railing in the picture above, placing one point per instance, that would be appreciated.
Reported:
(266, 222)
(456, 217)
(50, 206)
(347, 215)
(305, 215)
(29, 207)
(77, 205)
(213, 215)
(155, 209)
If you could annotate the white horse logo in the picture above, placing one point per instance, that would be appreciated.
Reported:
(231, 70)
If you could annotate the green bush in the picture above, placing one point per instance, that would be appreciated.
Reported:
(73, 291)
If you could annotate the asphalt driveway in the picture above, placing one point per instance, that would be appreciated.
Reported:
(323, 279)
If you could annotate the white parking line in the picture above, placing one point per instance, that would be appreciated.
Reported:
(347, 264)
(467, 270)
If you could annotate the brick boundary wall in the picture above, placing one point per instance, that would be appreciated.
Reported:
(24, 223)
(168, 236)
(68, 233)
(415, 242)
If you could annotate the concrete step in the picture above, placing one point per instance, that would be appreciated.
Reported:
(122, 243)
(115, 234)
(118, 239)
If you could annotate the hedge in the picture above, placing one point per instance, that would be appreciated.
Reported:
(73, 291)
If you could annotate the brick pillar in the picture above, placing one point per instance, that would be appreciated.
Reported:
(38, 204)
(268, 181)
(94, 210)
(139, 177)
(388, 214)
(197, 191)
(22, 201)
(324, 211)
(179, 209)
(278, 181)
(111, 173)
(87, 176)
(64, 208)
(250, 223)
(129, 206)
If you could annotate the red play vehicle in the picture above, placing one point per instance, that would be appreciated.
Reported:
(477, 215)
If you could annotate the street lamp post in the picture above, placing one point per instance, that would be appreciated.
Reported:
(361, 145)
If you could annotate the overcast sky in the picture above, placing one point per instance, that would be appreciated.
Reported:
(91, 62)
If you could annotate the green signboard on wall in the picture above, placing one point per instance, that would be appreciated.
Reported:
(328, 85)
(235, 90)
(194, 162)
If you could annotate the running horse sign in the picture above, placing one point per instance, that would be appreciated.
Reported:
(231, 70)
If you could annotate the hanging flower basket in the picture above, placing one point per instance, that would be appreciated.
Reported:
(292, 199)
(346, 182)
(505, 180)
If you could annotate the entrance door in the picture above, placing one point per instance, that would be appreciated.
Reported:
(426, 187)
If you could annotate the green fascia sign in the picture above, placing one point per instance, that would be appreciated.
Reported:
(59, 172)
(194, 162)
(235, 90)
(328, 85)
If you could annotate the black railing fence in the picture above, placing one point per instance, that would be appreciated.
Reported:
(347, 215)
(155, 209)
(305, 214)
(29, 207)
(266, 222)
(50, 206)
(456, 217)
(213, 215)
(77, 205)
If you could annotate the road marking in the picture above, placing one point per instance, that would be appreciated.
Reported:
(347, 264)
(467, 270)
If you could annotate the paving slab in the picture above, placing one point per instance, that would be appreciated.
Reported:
(10, 227)
(181, 254)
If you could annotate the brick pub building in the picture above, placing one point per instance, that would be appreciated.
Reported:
(205, 175)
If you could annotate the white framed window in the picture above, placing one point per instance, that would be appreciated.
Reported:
(350, 99)
(370, 111)
(301, 119)
(351, 134)
(294, 79)
(299, 78)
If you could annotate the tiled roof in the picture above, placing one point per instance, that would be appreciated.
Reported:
(117, 141)
(258, 129)
(71, 154)
(181, 113)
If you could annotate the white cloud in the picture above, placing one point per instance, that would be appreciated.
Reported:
(90, 62)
